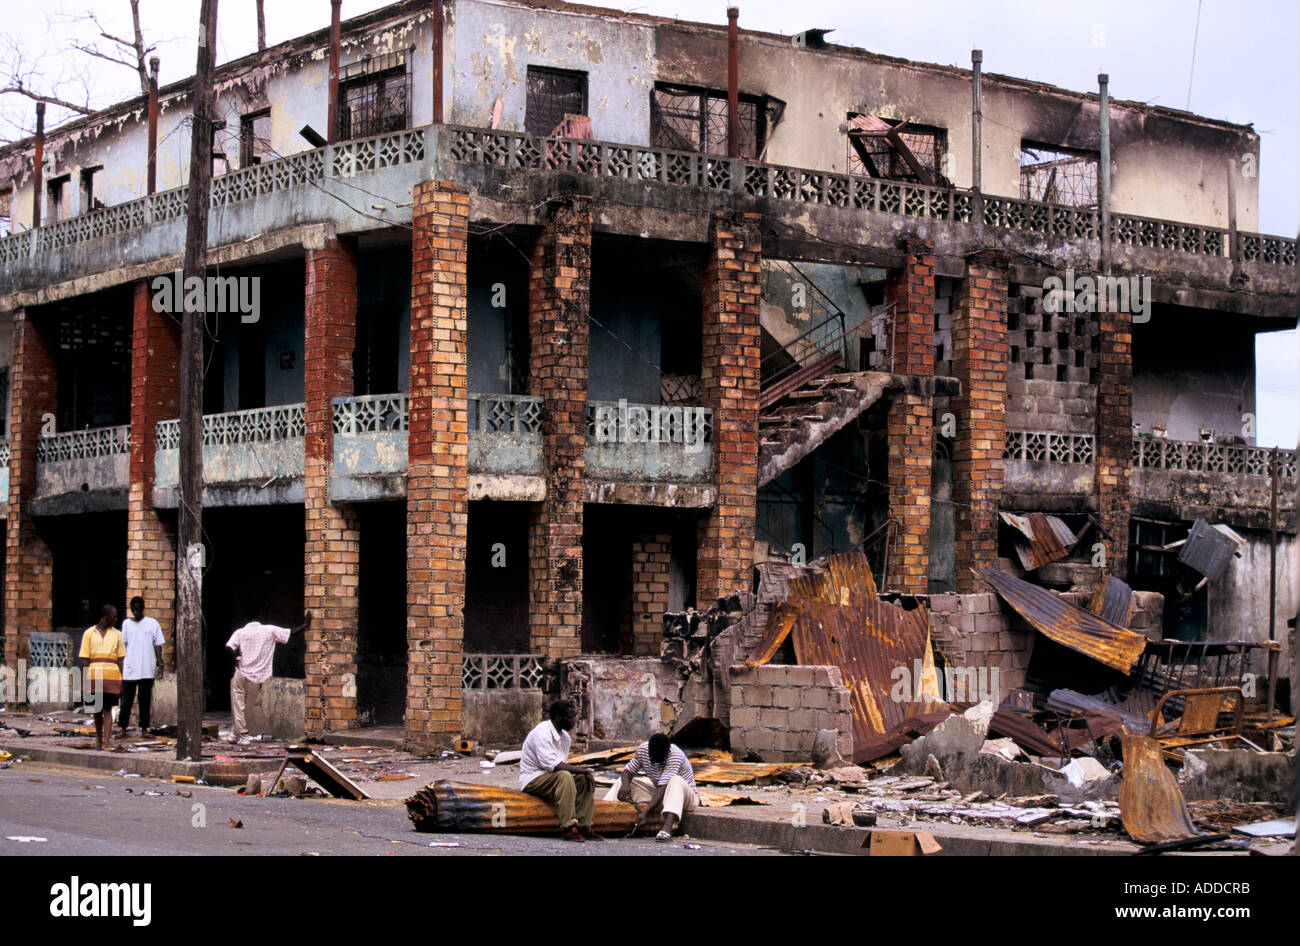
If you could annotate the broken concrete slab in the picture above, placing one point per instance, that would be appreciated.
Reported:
(1238, 774)
(953, 739)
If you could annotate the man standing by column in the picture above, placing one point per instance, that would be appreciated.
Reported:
(254, 646)
(144, 643)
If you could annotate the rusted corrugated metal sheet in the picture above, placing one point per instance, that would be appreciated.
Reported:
(1056, 618)
(737, 773)
(457, 806)
(1114, 604)
(1040, 538)
(844, 574)
(1150, 803)
(838, 621)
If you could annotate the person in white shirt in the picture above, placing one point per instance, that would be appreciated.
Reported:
(254, 647)
(545, 773)
(144, 643)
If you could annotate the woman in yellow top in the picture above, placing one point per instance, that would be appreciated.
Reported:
(102, 652)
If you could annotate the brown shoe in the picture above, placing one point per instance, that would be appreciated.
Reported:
(591, 835)
(571, 833)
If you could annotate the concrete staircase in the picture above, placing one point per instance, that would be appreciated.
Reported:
(802, 419)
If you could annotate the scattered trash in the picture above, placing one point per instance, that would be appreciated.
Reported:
(235, 823)
(184, 779)
(487, 764)
(1269, 829)
(444, 844)
(394, 777)
(693, 847)
(24, 839)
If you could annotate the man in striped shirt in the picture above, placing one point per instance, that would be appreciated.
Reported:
(658, 776)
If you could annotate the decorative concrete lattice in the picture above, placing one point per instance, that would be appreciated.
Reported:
(505, 413)
(502, 672)
(260, 425)
(621, 422)
(49, 650)
(82, 444)
(370, 414)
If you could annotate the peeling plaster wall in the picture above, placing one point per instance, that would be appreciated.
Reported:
(1239, 599)
(495, 43)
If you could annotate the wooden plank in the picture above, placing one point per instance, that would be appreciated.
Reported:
(325, 775)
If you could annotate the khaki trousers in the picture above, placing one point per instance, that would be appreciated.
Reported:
(679, 797)
(242, 692)
(573, 796)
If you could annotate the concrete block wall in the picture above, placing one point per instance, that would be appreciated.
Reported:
(1058, 406)
(777, 711)
(975, 632)
(651, 555)
(1047, 346)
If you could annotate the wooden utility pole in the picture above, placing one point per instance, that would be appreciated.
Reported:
(261, 26)
(189, 560)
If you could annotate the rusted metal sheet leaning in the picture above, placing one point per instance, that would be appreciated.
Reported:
(1057, 619)
(1040, 539)
(837, 620)
(1151, 805)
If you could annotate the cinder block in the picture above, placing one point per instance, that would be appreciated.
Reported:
(802, 719)
(743, 717)
(774, 718)
(799, 676)
(785, 697)
(815, 698)
(758, 695)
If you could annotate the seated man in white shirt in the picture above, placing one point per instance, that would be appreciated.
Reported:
(545, 773)
(658, 776)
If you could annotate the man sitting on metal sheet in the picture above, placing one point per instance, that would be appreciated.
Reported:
(661, 777)
(545, 773)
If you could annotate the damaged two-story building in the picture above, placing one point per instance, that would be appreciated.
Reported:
(566, 317)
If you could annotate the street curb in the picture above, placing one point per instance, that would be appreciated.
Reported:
(830, 839)
(132, 763)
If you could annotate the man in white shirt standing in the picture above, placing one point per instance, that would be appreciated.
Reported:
(545, 773)
(144, 643)
(254, 647)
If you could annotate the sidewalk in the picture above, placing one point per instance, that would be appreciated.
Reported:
(770, 815)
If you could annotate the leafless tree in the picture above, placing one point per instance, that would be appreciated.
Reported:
(132, 53)
(36, 78)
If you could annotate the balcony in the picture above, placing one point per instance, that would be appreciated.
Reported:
(4, 478)
(649, 446)
(312, 187)
(250, 458)
(81, 471)
(1170, 478)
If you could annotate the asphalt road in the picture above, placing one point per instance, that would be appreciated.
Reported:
(103, 815)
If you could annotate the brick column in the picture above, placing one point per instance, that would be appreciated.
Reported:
(332, 544)
(437, 511)
(729, 383)
(559, 302)
(910, 432)
(1114, 432)
(979, 362)
(155, 391)
(651, 555)
(29, 564)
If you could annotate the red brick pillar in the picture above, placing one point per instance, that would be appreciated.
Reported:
(29, 564)
(1114, 431)
(332, 544)
(651, 555)
(910, 434)
(155, 391)
(437, 511)
(729, 384)
(979, 362)
(559, 303)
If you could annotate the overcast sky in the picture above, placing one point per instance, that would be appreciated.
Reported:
(1246, 55)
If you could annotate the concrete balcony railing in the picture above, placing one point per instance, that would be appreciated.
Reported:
(252, 457)
(297, 189)
(1181, 478)
(82, 470)
(649, 442)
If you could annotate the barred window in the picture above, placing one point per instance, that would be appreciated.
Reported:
(1055, 175)
(553, 94)
(686, 118)
(375, 97)
(876, 156)
(6, 213)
